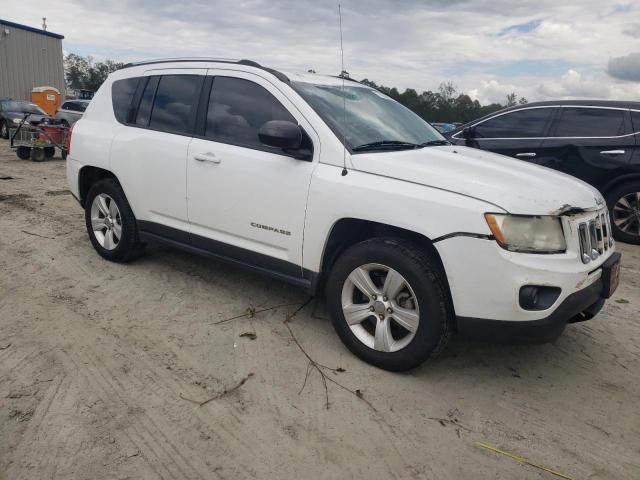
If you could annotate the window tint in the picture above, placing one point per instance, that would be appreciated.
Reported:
(144, 110)
(520, 124)
(237, 110)
(81, 106)
(176, 100)
(66, 106)
(590, 122)
(635, 118)
(121, 96)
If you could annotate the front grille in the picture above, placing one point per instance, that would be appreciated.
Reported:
(595, 237)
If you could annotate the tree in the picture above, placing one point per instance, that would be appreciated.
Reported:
(81, 73)
(512, 99)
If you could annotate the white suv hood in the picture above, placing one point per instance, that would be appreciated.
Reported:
(514, 185)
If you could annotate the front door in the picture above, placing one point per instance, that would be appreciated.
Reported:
(516, 133)
(246, 200)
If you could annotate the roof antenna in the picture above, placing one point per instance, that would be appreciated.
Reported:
(344, 101)
(44, 23)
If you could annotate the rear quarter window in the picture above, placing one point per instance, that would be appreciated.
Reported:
(122, 92)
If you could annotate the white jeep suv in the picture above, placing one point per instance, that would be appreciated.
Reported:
(332, 186)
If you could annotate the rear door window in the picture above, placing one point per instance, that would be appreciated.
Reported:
(238, 108)
(175, 103)
(122, 92)
(590, 122)
(526, 123)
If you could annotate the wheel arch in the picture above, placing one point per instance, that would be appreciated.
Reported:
(88, 176)
(618, 181)
(346, 232)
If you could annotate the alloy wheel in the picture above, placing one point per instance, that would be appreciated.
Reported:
(626, 213)
(106, 221)
(380, 307)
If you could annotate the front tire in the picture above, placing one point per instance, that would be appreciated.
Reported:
(624, 207)
(110, 222)
(390, 303)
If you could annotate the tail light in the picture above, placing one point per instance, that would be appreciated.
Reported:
(68, 145)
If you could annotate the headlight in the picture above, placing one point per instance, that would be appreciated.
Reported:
(17, 120)
(527, 234)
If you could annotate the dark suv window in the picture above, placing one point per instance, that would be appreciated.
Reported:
(590, 122)
(519, 124)
(237, 110)
(121, 96)
(175, 101)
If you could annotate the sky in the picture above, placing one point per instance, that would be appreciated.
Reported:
(542, 49)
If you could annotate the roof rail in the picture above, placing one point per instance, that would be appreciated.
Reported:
(250, 63)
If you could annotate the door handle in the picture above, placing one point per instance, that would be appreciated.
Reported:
(612, 152)
(527, 154)
(207, 157)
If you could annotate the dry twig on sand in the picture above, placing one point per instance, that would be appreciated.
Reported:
(219, 395)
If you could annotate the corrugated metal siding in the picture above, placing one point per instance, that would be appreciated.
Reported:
(28, 60)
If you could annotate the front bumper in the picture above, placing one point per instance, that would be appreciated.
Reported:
(577, 307)
(485, 282)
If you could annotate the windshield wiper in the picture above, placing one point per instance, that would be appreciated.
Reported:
(385, 144)
(434, 143)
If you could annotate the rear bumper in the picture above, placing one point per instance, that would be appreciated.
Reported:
(577, 307)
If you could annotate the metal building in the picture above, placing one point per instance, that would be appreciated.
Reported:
(29, 58)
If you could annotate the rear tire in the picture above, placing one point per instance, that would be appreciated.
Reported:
(110, 222)
(624, 207)
(415, 314)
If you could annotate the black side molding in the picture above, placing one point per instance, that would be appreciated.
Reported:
(463, 234)
(249, 260)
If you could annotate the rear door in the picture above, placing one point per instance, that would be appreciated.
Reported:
(594, 144)
(517, 133)
(149, 153)
(247, 200)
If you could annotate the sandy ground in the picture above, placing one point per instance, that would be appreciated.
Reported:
(100, 365)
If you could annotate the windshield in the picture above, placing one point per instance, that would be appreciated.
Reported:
(368, 118)
(22, 107)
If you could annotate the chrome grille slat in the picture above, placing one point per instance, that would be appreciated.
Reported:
(594, 236)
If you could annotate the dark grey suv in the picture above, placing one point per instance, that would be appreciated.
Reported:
(595, 141)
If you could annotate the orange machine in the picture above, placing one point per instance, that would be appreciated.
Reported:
(48, 98)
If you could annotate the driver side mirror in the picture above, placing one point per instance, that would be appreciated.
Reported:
(280, 134)
(285, 135)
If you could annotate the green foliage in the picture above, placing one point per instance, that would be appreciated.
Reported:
(82, 73)
(445, 105)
